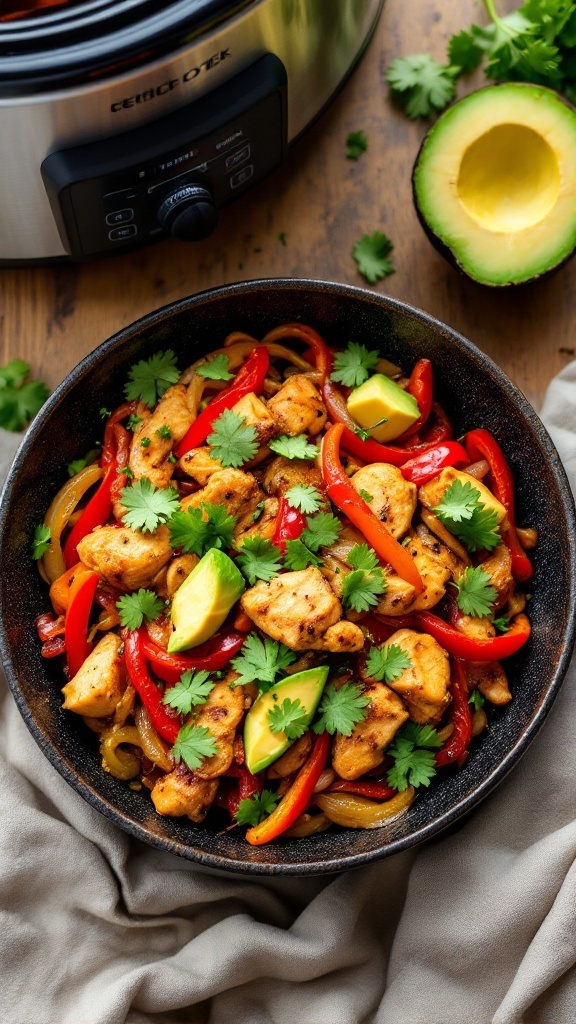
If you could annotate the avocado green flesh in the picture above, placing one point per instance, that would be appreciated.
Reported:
(204, 599)
(379, 398)
(261, 745)
(495, 180)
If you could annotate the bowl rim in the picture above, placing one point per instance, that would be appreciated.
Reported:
(466, 802)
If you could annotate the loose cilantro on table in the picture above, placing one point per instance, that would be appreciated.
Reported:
(149, 379)
(413, 754)
(294, 447)
(420, 84)
(41, 541)
(298, 556)
(197, 530)
(361, 587)
(462, 512)
(341, 709)
(134, 608)
(304, 497)
(193, 744)
(387, 662)
(148, 506)
(233, 441)
(352, 366)
(261, 661)
(371, 255)
(476, 595)
(259, 559)
(216, 368)
(289, 717)
(476, 700)
(254, 809)
(20, 398)
(191, 691)
(356, 144)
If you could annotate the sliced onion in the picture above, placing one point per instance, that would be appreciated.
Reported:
(358, 812)
(326, 779)
(122, 764)
(478, 469)
(58, 516)
(307, 825)
(150, 741)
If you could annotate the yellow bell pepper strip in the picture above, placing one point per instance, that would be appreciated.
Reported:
(342, 493)
(295, 801)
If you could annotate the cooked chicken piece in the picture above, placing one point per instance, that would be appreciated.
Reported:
(435, 526)
(283, 473)
(443, 554)
(221, 714)
(398, 595)
(293, 759)
(499, 568)
(181, 792)
(301, 610)
(364, 748)
(431, 494)
(424, 685)
(393, 497)
(490, 678)
(477, 628)
(199, 464)
(257, 415)
(124, 558)
(397, 599)
(100, 682)
(298, 407)
(434, 573)
(235, 490)
(178, 570)
(151, 459)
(265, 524)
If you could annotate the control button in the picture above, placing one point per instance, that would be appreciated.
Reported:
(241, 176)
(121, 234)
(120, 217)
(238, 157)
(189, 213)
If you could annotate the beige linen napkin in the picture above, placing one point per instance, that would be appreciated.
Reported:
(475, 927)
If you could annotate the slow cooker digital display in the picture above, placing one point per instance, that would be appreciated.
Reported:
(11, 9)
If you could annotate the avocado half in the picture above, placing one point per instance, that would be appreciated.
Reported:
(495, 183)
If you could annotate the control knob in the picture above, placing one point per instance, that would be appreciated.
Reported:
(189, 213)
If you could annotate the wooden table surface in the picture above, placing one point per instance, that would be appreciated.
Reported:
(323, 202)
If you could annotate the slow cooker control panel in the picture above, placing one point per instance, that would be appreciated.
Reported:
(170, 177)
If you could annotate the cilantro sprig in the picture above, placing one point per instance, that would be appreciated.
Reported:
(294, 447)
(193, 744)
(352, 366)
(233, 441)
(40, 541)
(462, 512)
(299, 556)
(321, 531)
(356, 144)
(371, 254)
(148, 506)
(413, 754)
(20, 398)
(421, 85)
(362, 586)
(476, 595)
(134, 608)
(199, 529)
(254, 809)
(476, 700)
(304, 497)
(191, 691)
(289, 717)
(261, 661)
(259, 559)
(149, 379)
(341, 709)
(387, 663)
(215, 368)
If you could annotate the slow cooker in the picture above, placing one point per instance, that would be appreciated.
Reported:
(127, 121)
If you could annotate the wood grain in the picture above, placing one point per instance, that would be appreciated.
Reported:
(53, 316)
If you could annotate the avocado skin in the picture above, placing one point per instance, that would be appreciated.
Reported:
(441, 246)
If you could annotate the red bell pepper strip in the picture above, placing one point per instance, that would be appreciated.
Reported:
(48, 627)
(323, 356)
(295, 801)
(455, 750)
(421, 387)
(246, 787)
(249, 378)
(460, 646)
(211, 656)
(164, 721)
(289, 524)
(76, 624)
(373, 790)
(379, 630)
(481, 445)
(425, 467)
(53, 648)
(343, 494)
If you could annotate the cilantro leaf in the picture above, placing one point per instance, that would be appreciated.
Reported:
(421, 735)
(341, 709)
(476, 700)
(193, 744)
(261, 661)
(77, 465)
(458, 501)
(413, 755)
(370, 253)
(199, 529)
(259, 559)
(233, 441)
(360, 588)
(41, 541)
(476, 595)
(294, 447)
(191, 691)
(356, 143)
(134, 608)
(462, 512)
(304, 497)
(215, 368)
(298, 556)
(502, 624)
(464, 51)
(133, 422)
(290, 717)
(148, 506)
(420, 84)
(321, 531)
(362, 557)
(149, 379)
(387, 662)
(352, 366)
(254, 809)
(20, 399)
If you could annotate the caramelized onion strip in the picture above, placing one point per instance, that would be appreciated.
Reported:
(359, 812)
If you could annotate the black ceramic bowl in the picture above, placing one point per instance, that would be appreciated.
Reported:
(475, 392)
